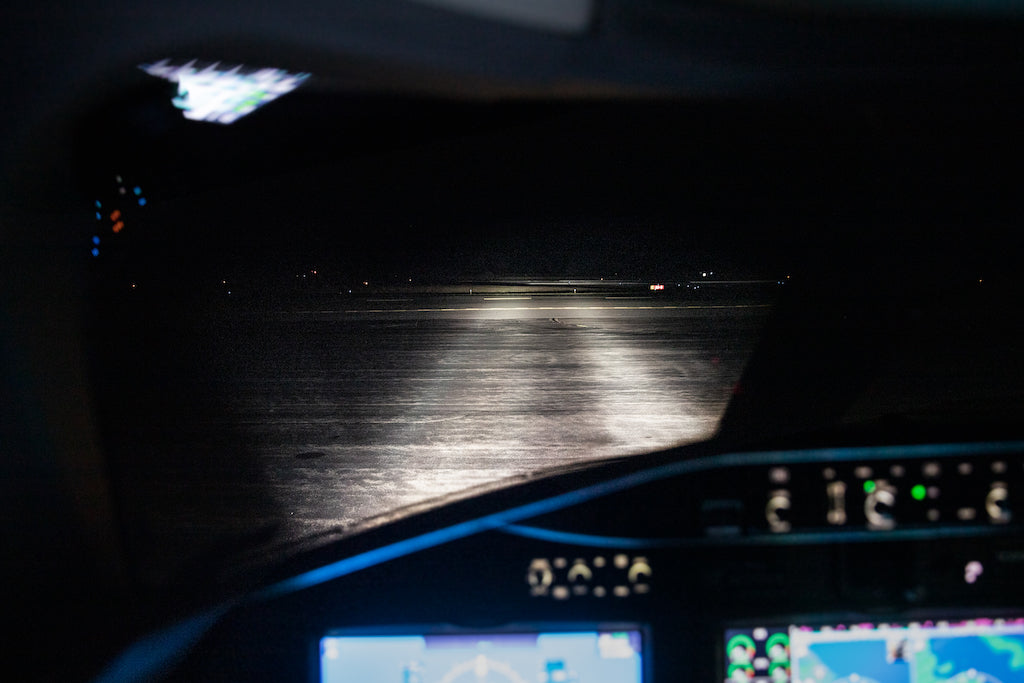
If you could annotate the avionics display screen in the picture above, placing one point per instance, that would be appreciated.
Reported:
(971, 651)
(537, 657)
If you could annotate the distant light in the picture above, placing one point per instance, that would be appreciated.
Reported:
(95, 251)
(142, 201)
(223, 95)
(919, 492)
(96, 239)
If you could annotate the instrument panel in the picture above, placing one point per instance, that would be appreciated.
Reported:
(690, 556)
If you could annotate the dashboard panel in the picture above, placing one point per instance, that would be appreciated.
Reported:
(696, 557)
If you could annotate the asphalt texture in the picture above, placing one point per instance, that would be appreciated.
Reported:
(229, 430)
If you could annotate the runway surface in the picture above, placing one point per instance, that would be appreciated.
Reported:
(289, 423)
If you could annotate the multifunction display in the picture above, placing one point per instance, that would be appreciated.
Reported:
(973, 651)
(532, 657)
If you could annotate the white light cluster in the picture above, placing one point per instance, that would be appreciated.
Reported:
(223, 96)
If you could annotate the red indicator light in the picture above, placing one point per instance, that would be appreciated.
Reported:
(115, 215)
(118, 226)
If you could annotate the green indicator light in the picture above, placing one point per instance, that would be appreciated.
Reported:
(918, 492)
(869, 486)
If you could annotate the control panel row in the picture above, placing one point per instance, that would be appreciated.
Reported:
(882, 496)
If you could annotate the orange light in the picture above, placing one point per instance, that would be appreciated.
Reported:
(115, 215)
(118, 226)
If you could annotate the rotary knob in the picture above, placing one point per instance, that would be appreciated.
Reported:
(878, 505)
(776, 512)
(997, 503)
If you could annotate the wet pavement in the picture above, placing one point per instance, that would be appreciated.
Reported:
(290, 423)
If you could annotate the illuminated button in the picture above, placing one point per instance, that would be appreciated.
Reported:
(878, 506)
(599, 561)
(539, 576)
(621, 561)
(778, 475)
(965, 468)
(828, 473)
(862, 472)
(934, 515)
(560, 563)
(639, 575)
(599, 592)
(966, 514)
(996, 503)
(777, 511)
(579, 589)
(560, 592)
(972, 571)
(919, 492)
(579, 572)
(998, 467)
(933, 492)
(897, 471)
(621, 591)
(640, 571)
(836, 503)
(931, 469)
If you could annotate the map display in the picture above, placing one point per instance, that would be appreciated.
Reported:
(966, 652)
(579, 657)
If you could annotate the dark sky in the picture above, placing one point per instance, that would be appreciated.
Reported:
(387, 185)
